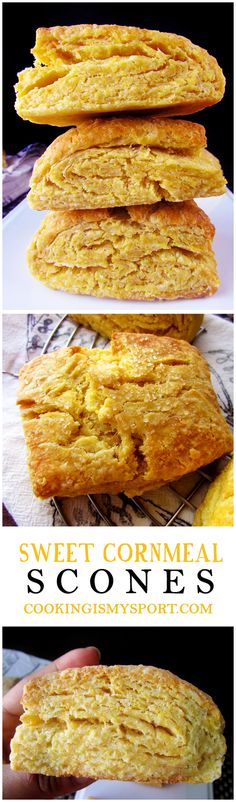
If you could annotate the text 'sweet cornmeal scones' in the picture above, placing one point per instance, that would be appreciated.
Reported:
(217, 508)
(119, 722)
(90, 69)
(182, 327)
(125, 161)
(138, 252)
(128, 418)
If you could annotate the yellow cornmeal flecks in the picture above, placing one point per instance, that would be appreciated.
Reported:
(217, 508)
(119, 722)
(132, 69)
(117, 176)
(130, 418)
(145, 252)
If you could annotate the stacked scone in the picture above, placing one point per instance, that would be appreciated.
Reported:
(123, 222)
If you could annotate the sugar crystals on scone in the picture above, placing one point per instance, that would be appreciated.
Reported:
(130, 418)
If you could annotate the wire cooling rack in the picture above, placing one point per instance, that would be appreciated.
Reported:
(182, 500)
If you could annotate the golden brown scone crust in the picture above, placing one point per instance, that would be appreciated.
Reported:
(143, 252)
(149, 130)
(90, 69)
(119, 722)
(125, 161)
(217, 508)
(127, 418)
(181, 327)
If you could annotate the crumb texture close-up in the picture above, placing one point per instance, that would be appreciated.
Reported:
(124, 722)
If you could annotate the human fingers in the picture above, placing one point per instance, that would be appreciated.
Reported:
(76, 658)
(12, 708)
(20, 785)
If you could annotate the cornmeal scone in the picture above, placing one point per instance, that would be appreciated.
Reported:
(119, 723)
(128, 418)
(125, 161)
(182, 327)
(217, 508)
(141, 252)
(90, 69)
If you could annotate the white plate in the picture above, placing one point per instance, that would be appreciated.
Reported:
(102, 789)
(23, 292)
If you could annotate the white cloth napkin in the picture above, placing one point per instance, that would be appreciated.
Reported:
(20, 664)
(23, 338)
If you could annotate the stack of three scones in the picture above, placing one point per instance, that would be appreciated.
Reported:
(120, 185)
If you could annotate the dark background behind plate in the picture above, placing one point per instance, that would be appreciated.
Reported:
(209, 25)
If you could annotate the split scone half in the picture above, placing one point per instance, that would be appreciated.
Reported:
(125, 161)
(128, 418)
(119, 723)
(139, 253)
(217, 508)
(182, 327)
(90, 69)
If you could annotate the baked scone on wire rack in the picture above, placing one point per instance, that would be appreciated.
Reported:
(181, 327)
(124, 420)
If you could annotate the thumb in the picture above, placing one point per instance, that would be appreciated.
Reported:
(20, 785)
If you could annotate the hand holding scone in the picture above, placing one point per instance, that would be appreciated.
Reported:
(120, 722)
(35, 786)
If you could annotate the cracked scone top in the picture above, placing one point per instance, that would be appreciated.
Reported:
(119, 722)
(128, 418)
(125, 161)
(90, 69)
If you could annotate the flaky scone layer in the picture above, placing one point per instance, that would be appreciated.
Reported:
(89, 69)
(182, 327)
(130, 417)
(119, 162)
(143, 252)
(217, 508)
(119, 722)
